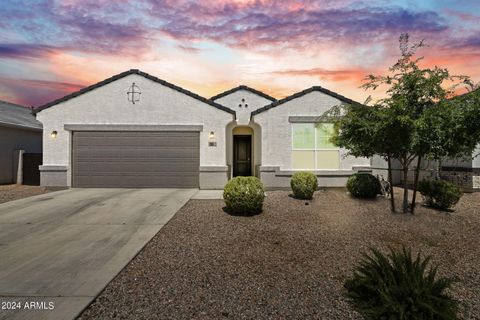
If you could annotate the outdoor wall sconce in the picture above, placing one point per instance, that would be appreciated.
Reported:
(211, 135)
(133, 93)
(53, 134)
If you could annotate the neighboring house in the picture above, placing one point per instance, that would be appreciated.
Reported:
(19, 130)
(464, 172)
(135, 130)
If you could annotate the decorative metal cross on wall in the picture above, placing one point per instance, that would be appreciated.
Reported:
(133, 93)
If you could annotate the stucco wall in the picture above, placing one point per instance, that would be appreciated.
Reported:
(276, 130)
(476, 160)
(380, 167)
(16, 139)
(158, 105)
(234, 99)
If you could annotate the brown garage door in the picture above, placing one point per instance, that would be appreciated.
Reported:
(136, 159)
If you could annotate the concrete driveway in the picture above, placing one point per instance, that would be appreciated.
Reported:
(61, 249)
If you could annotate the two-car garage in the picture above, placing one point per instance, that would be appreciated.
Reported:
(136, 159)
(164, 137)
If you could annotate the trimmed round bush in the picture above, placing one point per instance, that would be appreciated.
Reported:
(399, 286)
(303, 185)
(244, 195)
(363, 185)
(440, 194)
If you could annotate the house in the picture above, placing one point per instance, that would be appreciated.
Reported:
(135, 130)
(19, 132)
(463, 172)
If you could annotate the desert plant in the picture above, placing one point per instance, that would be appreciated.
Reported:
(397, 287)
(440, 193)
(363, 185)
(244, 195)
(303, 185)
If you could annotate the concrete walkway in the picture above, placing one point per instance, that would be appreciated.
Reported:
(208, 195)
(61, 249)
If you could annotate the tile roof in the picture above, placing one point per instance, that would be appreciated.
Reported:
(302, 93)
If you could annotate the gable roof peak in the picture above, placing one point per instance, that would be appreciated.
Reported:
(140, 73)
(243, 87)
(302, 93)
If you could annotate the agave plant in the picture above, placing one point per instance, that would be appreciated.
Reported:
(397, 287)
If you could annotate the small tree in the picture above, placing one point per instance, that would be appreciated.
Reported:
(367, 131)
(412, 91)
(416, 120)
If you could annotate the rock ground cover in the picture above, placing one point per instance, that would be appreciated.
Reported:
(11, 192)
(289, 262)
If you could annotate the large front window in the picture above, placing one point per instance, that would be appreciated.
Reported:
(311, 147)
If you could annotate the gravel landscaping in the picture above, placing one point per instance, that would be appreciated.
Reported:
(289, 262)
(11, 192)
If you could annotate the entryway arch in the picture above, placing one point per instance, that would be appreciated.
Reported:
(243, 149)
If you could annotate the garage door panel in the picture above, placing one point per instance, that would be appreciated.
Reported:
(138, 140)
(127, 153)
(147, 181)
(176, 167)
(135, 159)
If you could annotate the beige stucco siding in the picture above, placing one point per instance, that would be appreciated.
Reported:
(234, 102)
(158, 105)
(276, 130)
(243, 110)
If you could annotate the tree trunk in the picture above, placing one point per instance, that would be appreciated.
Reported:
(390, 181)
(405, 188)
(415, 183)
(438, 169)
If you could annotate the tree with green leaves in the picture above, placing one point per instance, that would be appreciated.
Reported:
(366, 131)
(451, 129)
(407, 123)
(411, 91)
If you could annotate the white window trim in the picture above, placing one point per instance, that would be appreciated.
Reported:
(314, 149)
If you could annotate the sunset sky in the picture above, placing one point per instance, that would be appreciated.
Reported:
(51, 48)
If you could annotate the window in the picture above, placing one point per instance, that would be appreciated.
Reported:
(311, 147)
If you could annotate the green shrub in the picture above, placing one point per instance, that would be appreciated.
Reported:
(303, 184)
(244, 195)
(397, 287)
(440, 193)
(363, 185)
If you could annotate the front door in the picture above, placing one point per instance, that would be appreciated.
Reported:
(242, 155)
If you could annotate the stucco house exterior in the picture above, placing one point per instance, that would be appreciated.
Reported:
(19, 132)
(135, 130)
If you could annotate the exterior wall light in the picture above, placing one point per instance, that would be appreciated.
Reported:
(211, 135)
(54, 134)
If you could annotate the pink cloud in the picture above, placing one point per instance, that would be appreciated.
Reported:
(354, 75)
(36, 92)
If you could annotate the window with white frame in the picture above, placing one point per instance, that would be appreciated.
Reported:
(311, 147)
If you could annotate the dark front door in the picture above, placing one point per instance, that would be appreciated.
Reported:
(242, 155)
